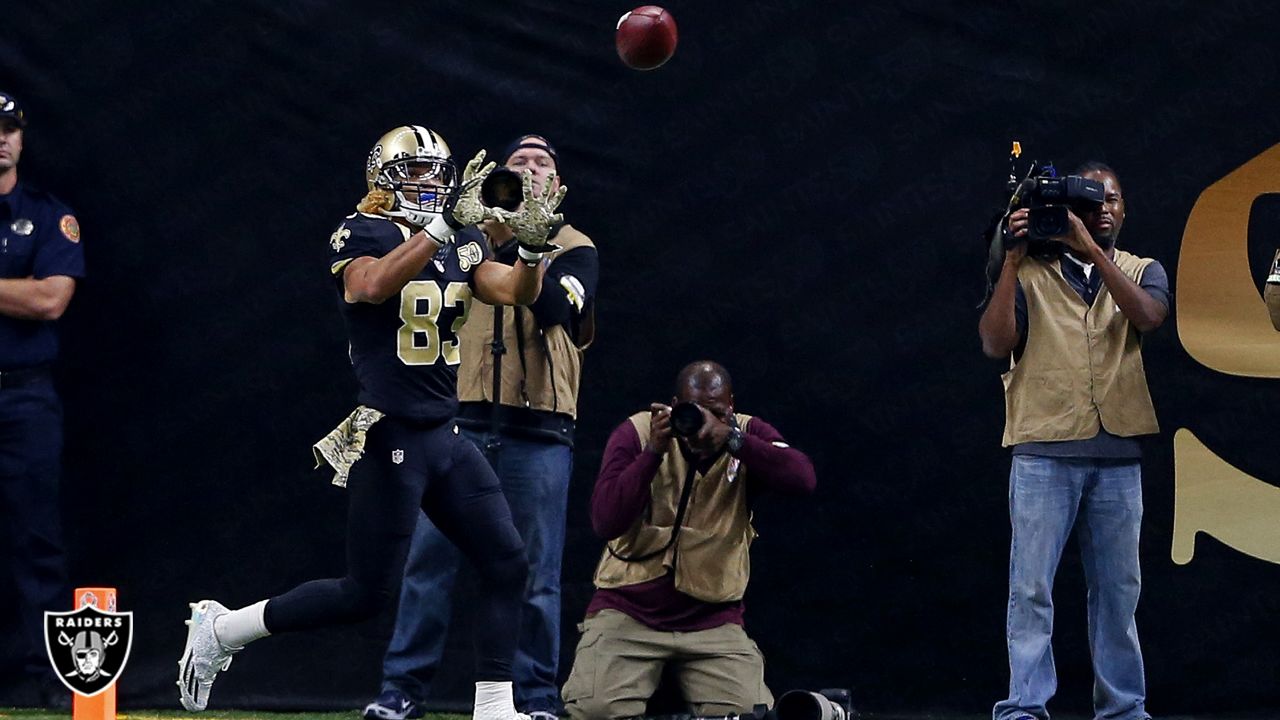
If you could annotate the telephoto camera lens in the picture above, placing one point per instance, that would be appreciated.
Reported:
(686, 419)
(805, 705)
(502, 188)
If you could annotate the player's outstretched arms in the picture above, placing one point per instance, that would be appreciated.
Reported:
(499, 284)
(374, 280)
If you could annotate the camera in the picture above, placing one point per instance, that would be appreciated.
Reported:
(686, 419)
(502, 188)
(827, 704)
(1050, 197)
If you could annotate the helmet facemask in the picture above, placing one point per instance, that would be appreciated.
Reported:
(423, 188)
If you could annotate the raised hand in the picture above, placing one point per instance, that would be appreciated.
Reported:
(532, 222)
(468, 209)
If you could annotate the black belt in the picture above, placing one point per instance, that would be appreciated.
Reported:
(25, 376)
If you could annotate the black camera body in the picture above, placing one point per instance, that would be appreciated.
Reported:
(1050, 197)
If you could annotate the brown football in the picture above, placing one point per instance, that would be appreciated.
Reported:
(646, 37)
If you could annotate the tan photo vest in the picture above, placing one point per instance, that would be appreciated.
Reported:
(710, 555)
(551, 370)
(1081, 368)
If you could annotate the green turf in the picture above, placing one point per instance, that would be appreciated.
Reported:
(25, 714)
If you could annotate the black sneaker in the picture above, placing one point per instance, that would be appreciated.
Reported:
(392, 705)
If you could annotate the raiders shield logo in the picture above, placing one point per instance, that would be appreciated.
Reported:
(88, 647)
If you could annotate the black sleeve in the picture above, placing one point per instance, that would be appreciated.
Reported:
(568, 289)
(353, 239)
(1156, 282)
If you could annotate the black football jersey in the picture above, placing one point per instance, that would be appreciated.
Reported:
(405, 351)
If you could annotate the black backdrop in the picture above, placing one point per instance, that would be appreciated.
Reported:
(797, 194)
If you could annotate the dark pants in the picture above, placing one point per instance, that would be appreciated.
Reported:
(30, 451)
(406, 467)
(535, 480)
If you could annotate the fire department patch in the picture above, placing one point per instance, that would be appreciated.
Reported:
(89, 647)
(70, 228)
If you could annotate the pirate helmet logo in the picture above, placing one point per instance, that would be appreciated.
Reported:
(89, 647)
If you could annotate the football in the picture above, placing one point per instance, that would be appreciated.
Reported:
(646, 37)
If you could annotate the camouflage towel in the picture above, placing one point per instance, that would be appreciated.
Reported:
(341, 448)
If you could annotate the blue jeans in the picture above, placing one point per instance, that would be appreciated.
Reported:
(1046, 495)
(535, 479)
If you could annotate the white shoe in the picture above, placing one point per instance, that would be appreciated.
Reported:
(203, 657)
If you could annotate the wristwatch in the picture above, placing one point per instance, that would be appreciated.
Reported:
(735, 441)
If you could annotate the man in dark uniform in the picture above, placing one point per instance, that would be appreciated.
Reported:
(40, 258)
(405, 266)
(528, 440)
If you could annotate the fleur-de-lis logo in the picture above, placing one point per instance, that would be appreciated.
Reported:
(338, 236)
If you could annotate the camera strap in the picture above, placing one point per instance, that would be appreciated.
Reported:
(685, 492)
(499, 348)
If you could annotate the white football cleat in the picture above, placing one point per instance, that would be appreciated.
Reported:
(203, 657)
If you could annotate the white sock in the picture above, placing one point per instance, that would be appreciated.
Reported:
(494, 701)
(241, 627)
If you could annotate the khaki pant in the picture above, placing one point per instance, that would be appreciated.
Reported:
(619, 661)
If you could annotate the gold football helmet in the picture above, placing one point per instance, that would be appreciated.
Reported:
(414, 164)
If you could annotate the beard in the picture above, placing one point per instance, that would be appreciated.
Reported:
(1106, 240)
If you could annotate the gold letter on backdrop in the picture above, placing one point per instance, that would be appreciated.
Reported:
(1222, 320)
(1224, 325)
(1215, 498)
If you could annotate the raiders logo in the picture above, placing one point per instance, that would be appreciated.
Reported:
(89, 647)
(469, 255)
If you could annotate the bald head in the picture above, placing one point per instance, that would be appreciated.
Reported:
(703, 376)
(707, 384)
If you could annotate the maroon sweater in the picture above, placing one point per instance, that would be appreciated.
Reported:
(622, 492)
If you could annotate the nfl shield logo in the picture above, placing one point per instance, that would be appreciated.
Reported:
(89, 647)
(397, 456)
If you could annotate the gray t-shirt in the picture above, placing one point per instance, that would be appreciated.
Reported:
(1103, 445)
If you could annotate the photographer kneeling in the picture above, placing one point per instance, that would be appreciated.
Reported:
(677, 514)
(1075, 397)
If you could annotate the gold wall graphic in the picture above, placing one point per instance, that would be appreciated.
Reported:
(1215, 498)
(1222, 320)
(1224, 324)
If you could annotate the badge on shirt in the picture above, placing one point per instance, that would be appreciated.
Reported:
(70, 228)
(469, 255)
(22, 226)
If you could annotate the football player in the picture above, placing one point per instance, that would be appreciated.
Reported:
(405, 267)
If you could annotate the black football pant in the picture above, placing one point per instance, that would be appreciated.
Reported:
(30, 451)
(406, 466)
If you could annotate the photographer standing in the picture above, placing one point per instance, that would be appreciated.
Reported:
(677, 514)
(1075, 398)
